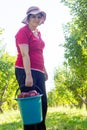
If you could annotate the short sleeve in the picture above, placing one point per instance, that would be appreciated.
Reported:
(22, 37)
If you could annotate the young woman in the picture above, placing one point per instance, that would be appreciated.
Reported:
(29, 65)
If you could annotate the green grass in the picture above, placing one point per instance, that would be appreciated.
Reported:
(57, 119)
(66, 119)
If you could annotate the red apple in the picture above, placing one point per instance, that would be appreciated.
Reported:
(28, 94)
(32, 93)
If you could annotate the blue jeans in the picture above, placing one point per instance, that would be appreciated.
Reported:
(38, 80)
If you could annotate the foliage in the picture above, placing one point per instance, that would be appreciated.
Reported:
(53, 99)
(73, 82)
(60, 118)
(63, 81)
(8, 84)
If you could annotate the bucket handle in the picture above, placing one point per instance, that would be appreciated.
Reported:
(23, 86)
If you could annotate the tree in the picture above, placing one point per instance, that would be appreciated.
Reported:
(72, 81)
(62, 80)
(8, 84)
(76, 48)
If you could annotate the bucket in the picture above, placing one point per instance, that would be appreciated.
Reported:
(30, 109)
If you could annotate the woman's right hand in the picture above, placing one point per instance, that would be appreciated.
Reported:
(29, 81)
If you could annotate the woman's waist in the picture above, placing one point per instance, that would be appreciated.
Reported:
(36, 66)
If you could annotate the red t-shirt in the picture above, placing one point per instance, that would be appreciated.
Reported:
(36, 46)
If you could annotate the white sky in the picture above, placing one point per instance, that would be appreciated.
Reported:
(13, 11)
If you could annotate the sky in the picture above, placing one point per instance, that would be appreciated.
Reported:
(13, 11)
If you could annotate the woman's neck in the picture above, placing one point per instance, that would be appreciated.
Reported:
(34, 31)
(32, 28)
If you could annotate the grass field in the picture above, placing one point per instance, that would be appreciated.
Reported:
(59, 118)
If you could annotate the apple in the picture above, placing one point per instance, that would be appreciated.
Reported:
(23, 95)
(32, 93)
(20, 96)
(28, 94)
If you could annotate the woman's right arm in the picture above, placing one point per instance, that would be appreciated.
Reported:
(26, 62)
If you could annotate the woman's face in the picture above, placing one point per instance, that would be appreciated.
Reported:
(34, 20)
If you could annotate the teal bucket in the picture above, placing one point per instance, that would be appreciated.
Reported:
(30, 109)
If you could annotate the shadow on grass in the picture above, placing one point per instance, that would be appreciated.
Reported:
(14, 125)
(11, 126)
(63, 121)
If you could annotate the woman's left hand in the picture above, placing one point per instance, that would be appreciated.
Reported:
(46, 75)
